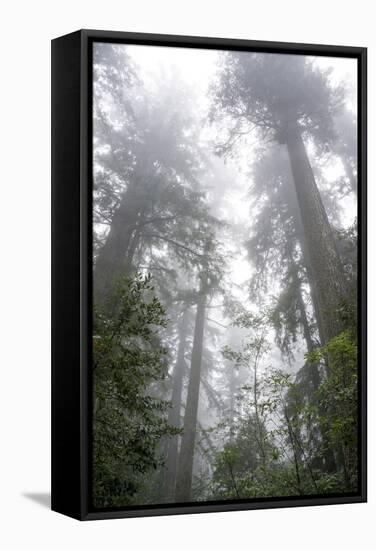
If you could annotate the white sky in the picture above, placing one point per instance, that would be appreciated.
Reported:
(198, 66)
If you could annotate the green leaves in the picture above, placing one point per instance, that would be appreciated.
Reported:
(129, 421)
(282, 439)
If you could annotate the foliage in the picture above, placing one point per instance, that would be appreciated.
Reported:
(276, 449)
(338, 401)
(254, 92)
(129, 421)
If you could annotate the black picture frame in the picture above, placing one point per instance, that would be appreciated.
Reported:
(72, 260)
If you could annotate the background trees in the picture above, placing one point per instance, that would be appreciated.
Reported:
(225, 292)
(255, 91)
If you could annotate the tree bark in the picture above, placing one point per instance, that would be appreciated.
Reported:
(186, 456)
(330, 463)
(300, 235)
(112, 261)
(232, 388)
(321, 248)
(174, 416)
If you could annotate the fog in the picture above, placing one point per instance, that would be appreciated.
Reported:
(224, 242)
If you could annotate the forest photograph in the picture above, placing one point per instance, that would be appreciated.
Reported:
(224, 320)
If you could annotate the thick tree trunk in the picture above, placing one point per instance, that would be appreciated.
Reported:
(321, 248)
(313, 367)
(174, 416)
(186, 456)
(304, 321)
(113, 261)
(300, 235)
(328, 461)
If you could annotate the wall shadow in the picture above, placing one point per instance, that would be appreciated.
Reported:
(43, 499)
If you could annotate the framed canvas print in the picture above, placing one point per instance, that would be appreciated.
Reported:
(209, 274)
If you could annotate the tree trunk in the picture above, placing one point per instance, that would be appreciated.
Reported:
(304, 320)
(186, 456)
(174, 416)
(314, 377)
(232, 388)
(300, 235)
(321, 248)
(324, 268)
(112, 261)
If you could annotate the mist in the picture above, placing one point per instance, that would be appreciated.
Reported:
(224, 271)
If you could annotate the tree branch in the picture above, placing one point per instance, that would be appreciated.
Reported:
(171, 241)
